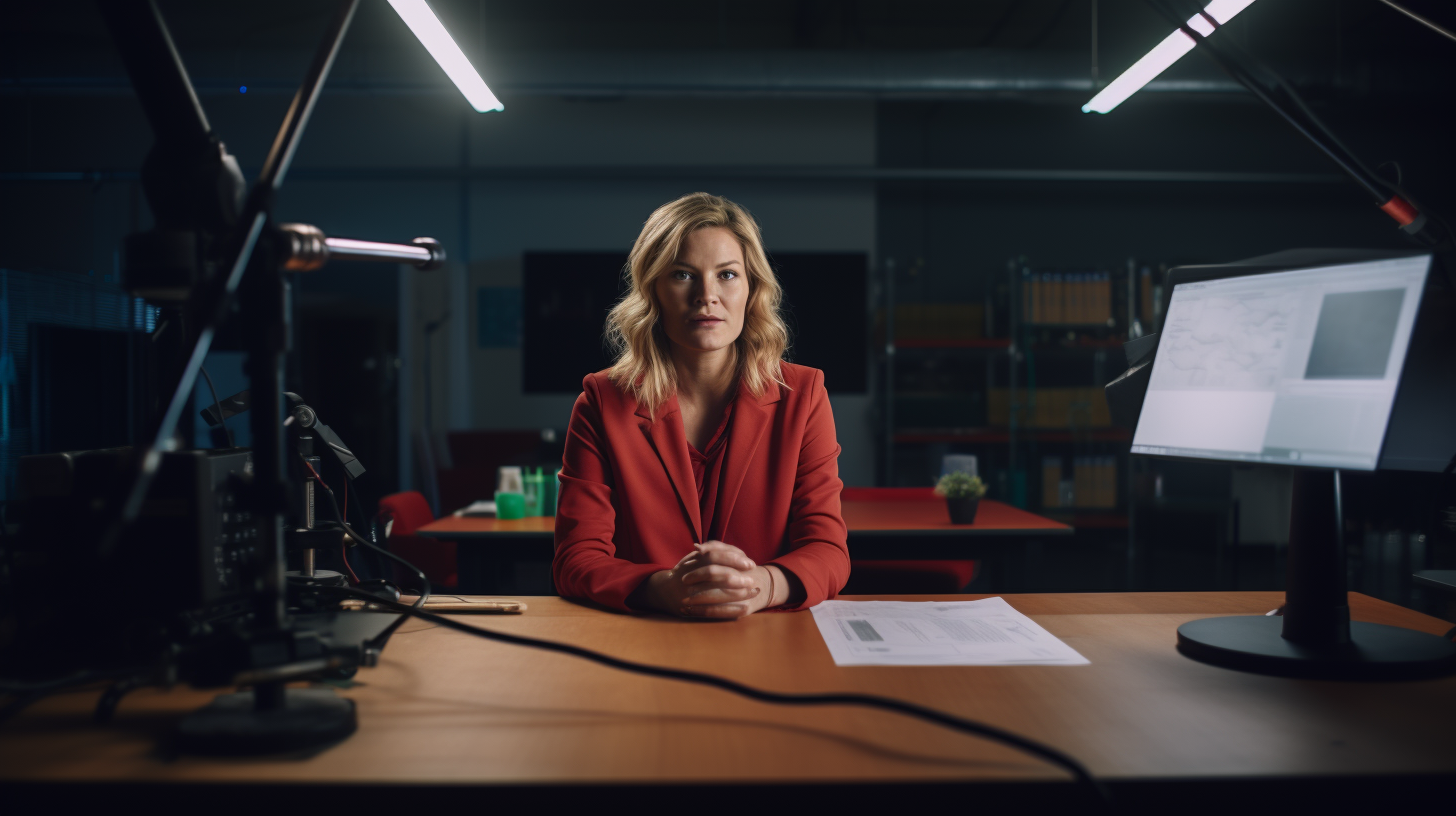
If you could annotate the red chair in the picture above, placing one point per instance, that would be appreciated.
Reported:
(902, 577)
(436, 559)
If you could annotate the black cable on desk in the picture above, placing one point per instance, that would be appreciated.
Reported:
(382, 638)
(28, 693)
(344, 523)
(991, 732)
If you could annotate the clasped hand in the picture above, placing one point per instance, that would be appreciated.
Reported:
(715, 580)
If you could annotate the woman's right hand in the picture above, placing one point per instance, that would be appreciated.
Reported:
(715, 580)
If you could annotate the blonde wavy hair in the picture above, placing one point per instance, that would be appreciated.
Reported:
(643, 367)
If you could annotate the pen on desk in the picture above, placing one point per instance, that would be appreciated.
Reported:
(449, 603)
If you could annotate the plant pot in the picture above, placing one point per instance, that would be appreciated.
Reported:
(962, 511)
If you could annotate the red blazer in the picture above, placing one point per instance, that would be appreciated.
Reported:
(629, 506)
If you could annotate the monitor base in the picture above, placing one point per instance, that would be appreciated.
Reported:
(1376, 652)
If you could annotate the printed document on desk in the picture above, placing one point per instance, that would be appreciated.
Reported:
(937, 633)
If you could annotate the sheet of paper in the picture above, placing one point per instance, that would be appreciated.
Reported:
(480, 508)
(934, 633)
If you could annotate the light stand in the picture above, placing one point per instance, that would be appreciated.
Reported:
(272, 717)
(1393, 201)
(1314, 637)
(199, 253)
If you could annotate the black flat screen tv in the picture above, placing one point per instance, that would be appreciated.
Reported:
(566, 297)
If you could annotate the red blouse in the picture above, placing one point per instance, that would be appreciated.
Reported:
(632, 504)
(708, 473)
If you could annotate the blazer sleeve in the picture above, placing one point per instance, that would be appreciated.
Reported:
(586, 563)
(818, 549)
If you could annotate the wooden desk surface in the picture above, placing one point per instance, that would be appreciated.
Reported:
(873, 512)
(443, 708)
(461, 528)
(926, 515)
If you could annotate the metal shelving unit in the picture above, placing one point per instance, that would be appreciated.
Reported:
(954, 412)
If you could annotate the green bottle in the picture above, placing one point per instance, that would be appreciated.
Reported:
(535, 489)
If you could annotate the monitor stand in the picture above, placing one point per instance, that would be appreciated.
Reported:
(1314, 637)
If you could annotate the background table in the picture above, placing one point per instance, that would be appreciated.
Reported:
(485, 722)
(488, 549)
(902, 523)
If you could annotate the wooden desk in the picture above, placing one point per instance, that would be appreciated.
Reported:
(461, 714)
(884, 523)
(472, 528)
(912, 523)
(487, 548)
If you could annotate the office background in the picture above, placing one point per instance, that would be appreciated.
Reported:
(936, 149)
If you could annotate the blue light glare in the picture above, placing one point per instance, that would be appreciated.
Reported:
(242, 89)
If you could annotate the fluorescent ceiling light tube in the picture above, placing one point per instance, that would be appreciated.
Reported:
(1167, 52)
(426, 26)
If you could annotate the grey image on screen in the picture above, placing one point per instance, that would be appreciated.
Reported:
(1353, 337)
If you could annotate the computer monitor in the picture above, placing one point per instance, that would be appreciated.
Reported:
(1288, 367)
(1324, 361)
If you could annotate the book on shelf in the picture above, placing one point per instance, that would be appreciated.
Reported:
(1095, 478)
(1093, 485)
(1058, 304)
(1066, 298)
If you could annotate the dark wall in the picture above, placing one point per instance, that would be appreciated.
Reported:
(345, 362)
(953, 239)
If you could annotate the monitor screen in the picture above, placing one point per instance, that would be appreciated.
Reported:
(1293, 367)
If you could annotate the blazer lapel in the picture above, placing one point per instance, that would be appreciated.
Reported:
(668, 439)
(751, 417)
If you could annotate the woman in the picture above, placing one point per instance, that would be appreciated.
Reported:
(701, 471)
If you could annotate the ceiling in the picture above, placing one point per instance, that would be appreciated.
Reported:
(810, 47)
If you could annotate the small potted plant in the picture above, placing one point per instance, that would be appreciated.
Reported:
(962, 493)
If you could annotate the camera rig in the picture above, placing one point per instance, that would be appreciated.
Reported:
(186, 549)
